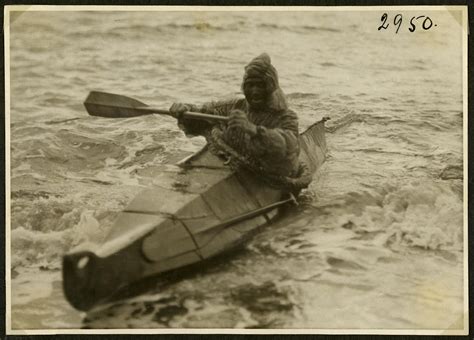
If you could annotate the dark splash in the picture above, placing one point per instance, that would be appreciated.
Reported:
(452, 171)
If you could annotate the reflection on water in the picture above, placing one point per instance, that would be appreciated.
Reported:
(377, 239)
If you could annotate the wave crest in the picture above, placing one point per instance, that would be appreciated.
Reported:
(422, 214)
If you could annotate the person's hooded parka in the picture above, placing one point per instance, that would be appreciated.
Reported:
(275, 146)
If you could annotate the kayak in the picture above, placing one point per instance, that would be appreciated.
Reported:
(212, 210)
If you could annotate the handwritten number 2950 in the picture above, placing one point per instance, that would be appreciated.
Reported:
(398, 19)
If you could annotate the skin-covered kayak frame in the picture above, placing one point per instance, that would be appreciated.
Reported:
(164, 230)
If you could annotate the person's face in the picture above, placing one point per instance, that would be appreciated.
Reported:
(255, 92)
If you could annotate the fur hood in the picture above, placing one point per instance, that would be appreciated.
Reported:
(262, 68)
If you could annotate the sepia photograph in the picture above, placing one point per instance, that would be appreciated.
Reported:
(244, 170)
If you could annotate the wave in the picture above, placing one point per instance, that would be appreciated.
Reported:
(420, 125)
(425, 124)
(423, 214)
(45, 225)
(455, 171)
(199, 26)
(302, 95)
(32, 247)
(327, 64)
(320, 29)
(392, 152)
(299, 29)
(346, 120)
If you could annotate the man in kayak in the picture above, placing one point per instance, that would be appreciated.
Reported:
(261, 127)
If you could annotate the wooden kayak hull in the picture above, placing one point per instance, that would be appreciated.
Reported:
(163, 230)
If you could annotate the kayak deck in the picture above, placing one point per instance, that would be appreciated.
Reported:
(210, 210)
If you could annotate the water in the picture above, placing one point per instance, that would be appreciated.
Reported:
(377, 239)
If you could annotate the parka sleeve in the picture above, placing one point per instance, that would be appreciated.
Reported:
(196, 127)
(278, 146)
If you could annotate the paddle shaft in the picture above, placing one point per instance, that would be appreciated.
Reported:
(187, 114)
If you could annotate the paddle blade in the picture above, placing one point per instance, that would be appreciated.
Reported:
(109, 105)
(103, 104)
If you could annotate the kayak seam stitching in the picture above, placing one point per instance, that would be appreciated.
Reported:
(198, 249)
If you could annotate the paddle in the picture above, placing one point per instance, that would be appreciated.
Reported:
(109, 105)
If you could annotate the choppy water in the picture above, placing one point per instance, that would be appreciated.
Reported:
(377, 239)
